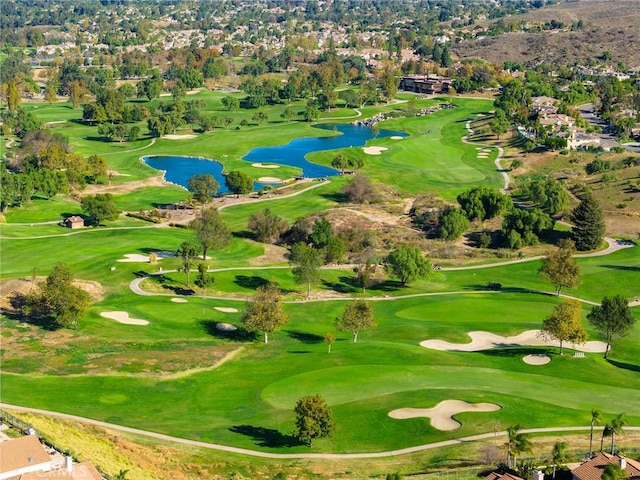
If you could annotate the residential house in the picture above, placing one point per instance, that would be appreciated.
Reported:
(428, 84)
(593, 469)
(25, 458)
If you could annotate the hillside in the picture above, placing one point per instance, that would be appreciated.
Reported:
(608, 26)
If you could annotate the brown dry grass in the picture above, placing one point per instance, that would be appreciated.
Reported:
(148, 459)
(610, 25)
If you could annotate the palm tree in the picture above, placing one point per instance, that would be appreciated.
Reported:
(517, 443)
(616, 429)
(605, 433)
(559, 454)
(596, 418)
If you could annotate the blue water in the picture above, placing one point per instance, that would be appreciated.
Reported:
(179, 169)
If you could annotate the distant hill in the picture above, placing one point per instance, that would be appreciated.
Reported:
(608, 25)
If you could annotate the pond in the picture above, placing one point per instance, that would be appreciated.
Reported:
(179, 169)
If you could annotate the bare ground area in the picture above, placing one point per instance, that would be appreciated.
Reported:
(608, 26)
(127, 187)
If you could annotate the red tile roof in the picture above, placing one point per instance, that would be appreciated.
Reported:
(592, 469)
(502, 476)
(22, 452)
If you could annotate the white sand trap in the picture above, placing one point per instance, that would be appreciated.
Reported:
(269, 180)
(442, 414)
(134, 258)
(226, 327)
(396, 137)
(123, 317)
(487, 340)
(537, 359)
(179, 300)
(483, 155)
(262, 165)
(374, 150)
(226, 309)
(180, 137)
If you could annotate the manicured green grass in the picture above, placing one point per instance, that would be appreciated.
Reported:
(103, 369)
(386, 369)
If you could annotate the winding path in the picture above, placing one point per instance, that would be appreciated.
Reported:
(256, 453)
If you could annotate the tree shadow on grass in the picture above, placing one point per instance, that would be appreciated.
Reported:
(239, 335)
(627, 268)
(176, 290)
(252, 282)
(626, 366)
(304, 337)
(386, 286)
(510, 350)
(266, 437)
(345, 286)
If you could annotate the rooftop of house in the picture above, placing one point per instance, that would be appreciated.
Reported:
(501, 476)
(592, 469)
(22, 452)
(79, 471)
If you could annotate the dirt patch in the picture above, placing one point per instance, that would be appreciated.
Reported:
(125, 187)
(22, 286)
(272, 254)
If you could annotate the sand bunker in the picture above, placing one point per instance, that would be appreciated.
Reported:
(442, 414)
(537, 359)
(123, 317)
(179, 300)
(226, 309)
(487, 340)
(179, 137)
(396, 137)
(262, 165)
(269, 180)
(226, 327)
(374, 150)
(138, 258)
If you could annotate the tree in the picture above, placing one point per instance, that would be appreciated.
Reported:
(613, 318)
(614, 472)
(59, 298)
(231, 103)
(500, 123)
(211, 231)
(307, 261)
(588, 224)
(564, 324)
(452, 223)
(483, 203)
(100, 207)
(313, 419)
(615, 428)
(329, 338)
(311, 113)
(357, 316)
(407, 263)
(264, 312)
(187, 253)
(204, 187)
(365, 270)
(560, 268)
(50, 93)
(13, 95)
(517, 443)
(559, 454)
(596, 418)
(204, 278)
(266, 226)
(239, 183)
